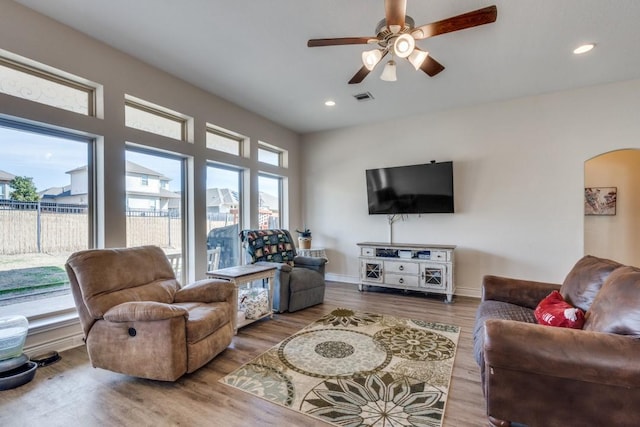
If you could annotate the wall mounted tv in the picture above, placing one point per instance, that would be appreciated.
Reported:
(414, 189)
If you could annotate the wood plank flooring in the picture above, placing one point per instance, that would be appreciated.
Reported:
(72, 393)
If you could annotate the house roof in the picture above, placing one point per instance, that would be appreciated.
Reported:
(131, 168)
(221, 196)
(6, 176)
(266, 67)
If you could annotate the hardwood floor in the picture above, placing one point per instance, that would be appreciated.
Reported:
(72, 393)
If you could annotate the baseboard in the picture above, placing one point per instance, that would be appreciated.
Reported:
(332, 277)
(58, 345)
(468, 292)
(58, 336)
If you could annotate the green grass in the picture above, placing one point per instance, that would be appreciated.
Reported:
(24, 280)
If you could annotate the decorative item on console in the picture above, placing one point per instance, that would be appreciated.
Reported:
(304, 238)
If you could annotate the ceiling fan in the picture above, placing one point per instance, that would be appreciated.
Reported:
(397, 35)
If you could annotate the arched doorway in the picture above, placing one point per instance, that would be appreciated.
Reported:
(614, 235)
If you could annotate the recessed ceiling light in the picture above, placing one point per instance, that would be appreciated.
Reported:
(330, 103)
(584, 48)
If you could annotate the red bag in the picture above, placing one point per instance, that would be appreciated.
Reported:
(555, 311)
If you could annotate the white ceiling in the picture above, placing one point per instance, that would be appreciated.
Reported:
(254, 53)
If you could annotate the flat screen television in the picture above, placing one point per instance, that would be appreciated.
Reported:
(414, 189)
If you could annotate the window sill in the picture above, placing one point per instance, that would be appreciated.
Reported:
(60, 311)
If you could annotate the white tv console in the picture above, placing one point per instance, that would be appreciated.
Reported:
(426, 268)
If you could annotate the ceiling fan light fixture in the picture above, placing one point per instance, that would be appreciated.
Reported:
(403, 45)
(417, 57)
(389, 72)
(370, 58)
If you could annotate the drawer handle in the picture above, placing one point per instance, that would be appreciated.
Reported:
(401, 280)
(401, 268)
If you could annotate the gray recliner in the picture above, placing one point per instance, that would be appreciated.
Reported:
(299, 281)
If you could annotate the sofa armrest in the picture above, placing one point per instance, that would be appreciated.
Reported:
(311, 263)
(280, 266)
(207, 290)
(143, 311)
(302, 261)
(572, 354)
(525, 293)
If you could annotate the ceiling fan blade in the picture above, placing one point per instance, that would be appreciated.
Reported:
(431, 66)
(394, 13)
(341, 41)
(483, 16)
(360, 75)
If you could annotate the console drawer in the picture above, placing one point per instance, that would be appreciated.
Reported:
(401, 267)
(401, 280)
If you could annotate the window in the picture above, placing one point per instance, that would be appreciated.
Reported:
(225, 141)
(154, 213)
(270, 201)
(224, 213)
(45, 215)
(155, 119)
(49, 88)
(144, 180)
(269, 155)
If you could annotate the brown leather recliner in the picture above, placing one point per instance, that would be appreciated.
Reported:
(138, 321)
(548, 376)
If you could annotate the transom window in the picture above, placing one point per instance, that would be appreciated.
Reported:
(49, 88)
(225, 141)
(269, 155)
(155, 119)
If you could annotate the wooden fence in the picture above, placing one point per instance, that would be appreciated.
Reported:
(21, 231)
(56, 233)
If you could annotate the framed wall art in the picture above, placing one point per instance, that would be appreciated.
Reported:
(600, 200)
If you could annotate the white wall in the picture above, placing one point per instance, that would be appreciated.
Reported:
(518, 177)
(616, 236)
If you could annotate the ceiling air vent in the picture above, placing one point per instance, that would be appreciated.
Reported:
(364, 96)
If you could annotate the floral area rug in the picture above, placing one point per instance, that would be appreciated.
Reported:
(354, 368)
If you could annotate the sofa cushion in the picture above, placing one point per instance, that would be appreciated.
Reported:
(555, 311)
(616, 309)
(491, 309)
(205, 319)
(585, 279)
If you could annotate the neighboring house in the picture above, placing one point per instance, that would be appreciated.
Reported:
(148, 190)
(268, 201)
(5, 179)
(222, 201)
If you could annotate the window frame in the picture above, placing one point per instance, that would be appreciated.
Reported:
(28, 309)
(184, 203)
(280, 195)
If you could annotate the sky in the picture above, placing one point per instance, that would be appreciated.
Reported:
(46, 159)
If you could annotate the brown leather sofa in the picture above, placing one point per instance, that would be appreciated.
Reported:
(139, 321)
(547, 376)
